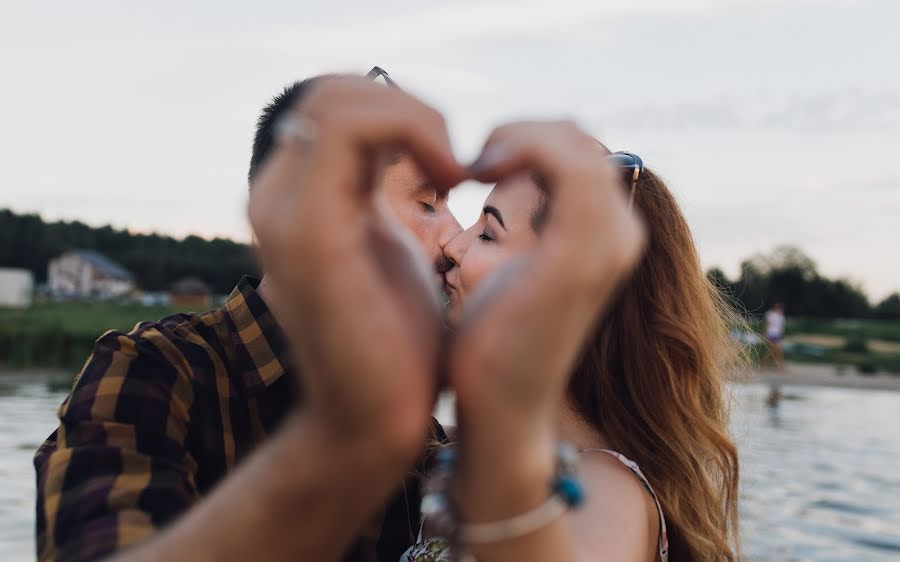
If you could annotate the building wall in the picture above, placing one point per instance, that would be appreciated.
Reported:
(71, 276)
(16, 287)
(110, 288)
(195, 302)
(66, 275)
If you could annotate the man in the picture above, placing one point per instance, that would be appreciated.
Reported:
(160, 416)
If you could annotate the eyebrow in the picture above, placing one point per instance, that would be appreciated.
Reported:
(425, 187)
(488, 210)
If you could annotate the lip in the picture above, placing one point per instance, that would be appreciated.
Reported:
(448, 286)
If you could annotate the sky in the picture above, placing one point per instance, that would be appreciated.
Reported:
(773, 121)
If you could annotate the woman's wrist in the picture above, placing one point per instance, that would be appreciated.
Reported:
(503, 473)
(510, 499)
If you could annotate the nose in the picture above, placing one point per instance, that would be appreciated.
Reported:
(455, 248)
(450, 230)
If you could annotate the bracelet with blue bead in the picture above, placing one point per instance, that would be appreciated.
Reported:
(566, 492)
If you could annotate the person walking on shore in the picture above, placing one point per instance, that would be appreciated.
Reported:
(775, 321)
(775, 334)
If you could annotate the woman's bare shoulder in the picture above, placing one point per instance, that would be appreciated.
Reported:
(618, 520)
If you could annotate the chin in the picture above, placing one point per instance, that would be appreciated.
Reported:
(451, 314)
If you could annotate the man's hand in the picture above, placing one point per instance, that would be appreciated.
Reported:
(361, 312)
(354, 300)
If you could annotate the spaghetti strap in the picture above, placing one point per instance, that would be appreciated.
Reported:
(663, 542)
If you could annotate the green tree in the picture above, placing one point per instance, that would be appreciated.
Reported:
(889, 308)
(789, 276)
(157, 261)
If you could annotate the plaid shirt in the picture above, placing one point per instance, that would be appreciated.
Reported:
(159, 415)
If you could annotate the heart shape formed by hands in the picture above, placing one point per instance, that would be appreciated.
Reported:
(367, 333)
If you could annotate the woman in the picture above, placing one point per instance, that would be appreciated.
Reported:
(644, 404)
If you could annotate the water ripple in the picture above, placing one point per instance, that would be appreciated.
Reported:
(820, 474)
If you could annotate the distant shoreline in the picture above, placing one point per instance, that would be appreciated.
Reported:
(804, 374)
(46, 372)
(796, 374)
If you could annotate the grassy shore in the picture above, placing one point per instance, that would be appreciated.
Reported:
(883, 330)
(864, 346)
(61, 335)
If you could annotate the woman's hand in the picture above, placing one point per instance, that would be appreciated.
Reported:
(521, 334)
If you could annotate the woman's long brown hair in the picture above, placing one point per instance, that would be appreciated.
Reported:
(651, 381)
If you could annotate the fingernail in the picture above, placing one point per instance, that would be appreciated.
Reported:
(490, 157)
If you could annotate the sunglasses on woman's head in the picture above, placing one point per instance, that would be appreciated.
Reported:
(633, 165)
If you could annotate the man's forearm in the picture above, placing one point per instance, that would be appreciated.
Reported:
(303, 496)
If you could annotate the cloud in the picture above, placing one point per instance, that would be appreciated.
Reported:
(141, 114)
(422, 25)
(849, 110)
(831, 111)
(680, 116)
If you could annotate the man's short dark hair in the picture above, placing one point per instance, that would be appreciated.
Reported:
(264, 139)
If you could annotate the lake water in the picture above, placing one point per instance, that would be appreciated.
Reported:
(821, 473)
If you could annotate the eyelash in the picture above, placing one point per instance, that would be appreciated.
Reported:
(484, 237)
(429, 208)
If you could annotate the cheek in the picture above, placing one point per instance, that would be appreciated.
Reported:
(419, 228)
(482, 259)
(477, 264)
(415, 223)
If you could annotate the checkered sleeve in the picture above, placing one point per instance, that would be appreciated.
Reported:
(117, 468)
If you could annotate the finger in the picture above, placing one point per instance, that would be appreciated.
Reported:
(571, 162)
(359, 115)
(351, 120)
(544, 146)
(590, 232)
(271, 200)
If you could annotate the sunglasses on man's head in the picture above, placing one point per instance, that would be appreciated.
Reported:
(377, 72)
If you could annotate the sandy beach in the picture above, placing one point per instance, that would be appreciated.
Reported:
(803, 374)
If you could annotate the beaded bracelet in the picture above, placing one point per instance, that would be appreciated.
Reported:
(566, 493)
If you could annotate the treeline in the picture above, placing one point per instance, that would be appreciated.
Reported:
(157, 261)
(785, 275)
(790, 277)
